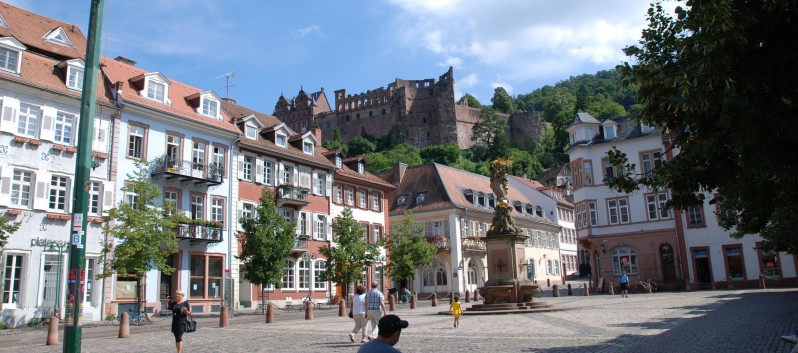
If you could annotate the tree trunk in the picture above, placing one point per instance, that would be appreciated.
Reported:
(138, 294)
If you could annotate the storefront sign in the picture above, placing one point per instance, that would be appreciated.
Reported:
(42, 242)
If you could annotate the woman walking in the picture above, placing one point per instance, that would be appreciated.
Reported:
(358, 314)
(181, 310)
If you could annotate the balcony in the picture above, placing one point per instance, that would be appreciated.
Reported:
(207, 232)
(439, 241)
(301, 244)
(291, 195)
(474, 245)
(187, 171)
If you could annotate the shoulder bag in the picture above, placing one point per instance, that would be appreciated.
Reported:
(189, 325)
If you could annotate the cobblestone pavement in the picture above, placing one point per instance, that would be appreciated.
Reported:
(706, 321)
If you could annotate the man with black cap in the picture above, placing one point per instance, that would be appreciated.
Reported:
(390, 327)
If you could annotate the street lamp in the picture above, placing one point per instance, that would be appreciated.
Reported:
(60, 247)
(310, 268)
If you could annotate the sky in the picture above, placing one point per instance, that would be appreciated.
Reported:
(279, 47)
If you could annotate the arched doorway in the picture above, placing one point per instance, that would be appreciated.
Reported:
(435, 278)
(668, 263)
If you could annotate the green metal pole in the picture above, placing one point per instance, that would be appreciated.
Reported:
(73, 330)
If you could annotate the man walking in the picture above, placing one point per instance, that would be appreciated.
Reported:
(375, 307)
(624, 285)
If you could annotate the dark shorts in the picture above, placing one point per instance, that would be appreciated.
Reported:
(178, 336)
(625, 286)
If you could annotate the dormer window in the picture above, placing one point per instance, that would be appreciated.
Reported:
(280, 140)
(420, 198)
(156, 90)
(210, 107)
(645, 128)
(250, 130)
(307, 147)
(338, 162)
(361, 169)
(58, 36)
(3, 21)
(481, 200)
(400, 200)
(10, 54)
(74, 74)
(609, 132)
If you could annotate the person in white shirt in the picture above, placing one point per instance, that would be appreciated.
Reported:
(358, 313)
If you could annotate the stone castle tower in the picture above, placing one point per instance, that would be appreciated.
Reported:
(418, 112)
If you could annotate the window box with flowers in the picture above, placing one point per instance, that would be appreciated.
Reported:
(439, 240)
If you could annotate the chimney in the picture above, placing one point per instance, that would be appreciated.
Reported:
(399, 173)
(317, 132)
(125, 60)
(228, 99)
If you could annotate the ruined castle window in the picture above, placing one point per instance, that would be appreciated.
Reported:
(383, 112)
(430, 92)
(357, 116)
(347, 118)
(427, 134)
(425, 120)
(371, 113)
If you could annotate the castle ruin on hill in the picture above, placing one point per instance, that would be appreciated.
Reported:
(417, 112)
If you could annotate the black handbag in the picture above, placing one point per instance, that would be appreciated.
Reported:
(189, 325)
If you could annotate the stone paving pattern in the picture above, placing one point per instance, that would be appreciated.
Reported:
(705, 321)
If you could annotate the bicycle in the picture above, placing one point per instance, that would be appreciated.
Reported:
(135, 318)
(538, 293)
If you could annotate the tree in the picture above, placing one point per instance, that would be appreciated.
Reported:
(603, 108)
(502, 101)
(360, 145)
(265, 243)
(448, 153)
(472, 101)
(721, 79)
(489, 133)
(6, 229)
(145, 234)
(382, 161)
(408, 250)
(345, 260)
(336, 143)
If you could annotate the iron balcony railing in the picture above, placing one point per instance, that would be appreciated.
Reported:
(440, 241)
(206, 233)
(198, 172)
(474, 244)
(291, 195)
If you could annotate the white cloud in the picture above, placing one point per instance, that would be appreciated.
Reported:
(303, 32)
(468, 81)
(453, 61)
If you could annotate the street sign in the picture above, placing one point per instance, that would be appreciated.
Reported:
(75, 239)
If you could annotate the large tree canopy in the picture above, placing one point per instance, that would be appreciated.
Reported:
(721, 78)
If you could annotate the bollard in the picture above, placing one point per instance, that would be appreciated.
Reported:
(570, 292)
(434, 299)
(467, 294)
(342, 308)
(451, 298)
(124, 325)
(224, 321)
(413, 301)
(52, 331)
(585, 290)
(391, 303)
(548, 282)
(308, 310)
(269, 313)
(476, 295)
(555, 291)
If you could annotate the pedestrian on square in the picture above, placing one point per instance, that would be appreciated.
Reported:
(181, 310)
(390, 329)
(624, 285)
(375, 307)
(405, 295)
(454, 308)
(358, 313)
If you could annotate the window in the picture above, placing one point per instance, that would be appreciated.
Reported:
(135, 144)
(251, 130)
(376, 233)
(320, 186)
(420, 198)
(618, 210)
(624, 259)
(268, 172)
(375, 202)
(63, 127)
(94, 198)
(307, 147)
(217, 161)
(248, 211)
(303, 274)
(435, 275)
(247, 171)
(656, 206)
(651, 161)
(611, 171)
(362, 199)
(206, 281)
(12, 280)
(588, 175)
(210, 108)
(609, 132)
(339, 194)
(304, 177)
(400, 200)
(59, 37)
(288, 275)
(338, 162)
(130, 197)
(75, 78)
(735, 266)
(171, 201)
(318, 270)
(28, 123)
(288, 175)
(350, 196)
(695, 217)
(217, 210)
(320, 230)
(302, 225)
(155, 90)
(58, 192)
(9, 59)
(591, 206)
(20, 188)
(172, 150)
(769, 264)
(197, 207)
(361, 168)
(198, 156)
(88, 295)
(279, 140)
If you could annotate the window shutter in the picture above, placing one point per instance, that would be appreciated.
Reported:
(240, 213)
(47, 131)
(315, 219)
(259, 170)
(328, 184)
(295, 176)
(10, 114)
(108, 196)
(6, 174)
(68, 198)
(240, 158)
(328, 229)
(41, 197)
(102, 129)
(315, 183)
(278, 177)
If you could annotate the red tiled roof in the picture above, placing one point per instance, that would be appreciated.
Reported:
(419, 179)
(346, 173)
(30, 29)
(117, 71)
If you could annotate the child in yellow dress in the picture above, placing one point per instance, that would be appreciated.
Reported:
(456, 311)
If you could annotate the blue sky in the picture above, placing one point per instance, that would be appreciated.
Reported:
(278, 47)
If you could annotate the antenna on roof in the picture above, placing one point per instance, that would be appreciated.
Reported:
(227, 85)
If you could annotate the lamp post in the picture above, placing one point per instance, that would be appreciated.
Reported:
(60, 247)
(310, 269)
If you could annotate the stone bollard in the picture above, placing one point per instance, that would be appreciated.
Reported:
(434, 299)
(269, 313)
(612, 289)
(391, 303)
(308, 310)
(52, 331)
(342, 308)
(476, 295)
(585, 291)
(570, 292)
(124, 325)
(548, 282)
(467, 296)
(224, 321)
(555, 291)
(451, 298)
(413, 301)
